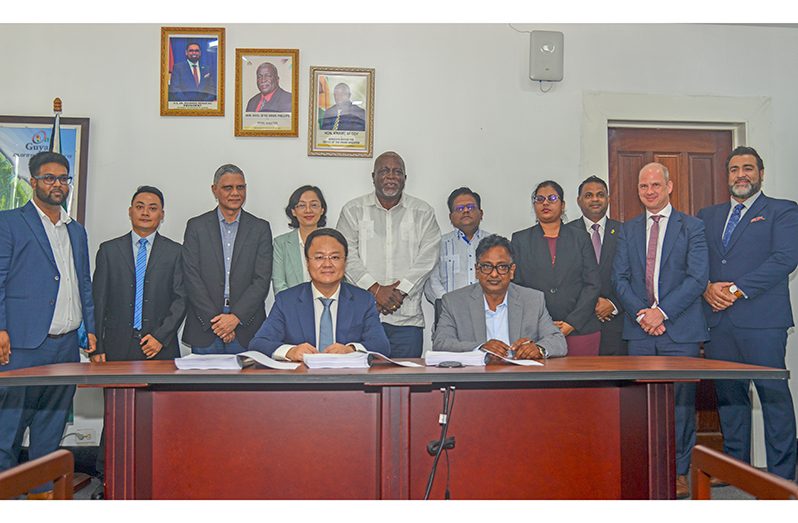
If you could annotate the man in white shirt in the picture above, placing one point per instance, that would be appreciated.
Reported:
(660, 272)
(393, 238)
(45, 294)
(325, 314)
(455, 267)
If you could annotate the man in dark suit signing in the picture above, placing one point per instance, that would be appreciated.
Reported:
(139, 300)
(271, 98)
(660, 271)
(593, 200)
(227, 270)
(325, 314)
(753, 248)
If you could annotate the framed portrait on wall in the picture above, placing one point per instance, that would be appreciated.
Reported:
(23, 136)
(267, 92)
(192, 71)
(341, 116)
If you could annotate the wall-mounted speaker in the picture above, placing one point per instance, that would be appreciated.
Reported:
(546, 56)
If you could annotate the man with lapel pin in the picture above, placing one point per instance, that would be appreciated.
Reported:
(660, 271)
(593, 199)
(496, 314)
(227, 270)
(139, 301)
(753, 248)
(325, 314)
(45, 294)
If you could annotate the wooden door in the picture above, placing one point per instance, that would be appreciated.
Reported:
(696, 161)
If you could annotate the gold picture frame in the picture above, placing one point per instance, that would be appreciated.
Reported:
(341, 114)
(192, 71)
(268, 79)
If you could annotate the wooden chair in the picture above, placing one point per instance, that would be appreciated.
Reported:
(708, 463)
(57, 467)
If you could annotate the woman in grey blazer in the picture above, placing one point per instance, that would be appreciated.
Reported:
(560, 262)
(307, 211)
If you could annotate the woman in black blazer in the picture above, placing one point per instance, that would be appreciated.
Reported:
(560, 262)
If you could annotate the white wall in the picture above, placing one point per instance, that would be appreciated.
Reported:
(454, 100)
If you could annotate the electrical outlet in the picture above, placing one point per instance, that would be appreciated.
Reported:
(85, 437)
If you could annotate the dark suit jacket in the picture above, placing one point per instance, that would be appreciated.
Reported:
(29, 276)
(353, 118)
(684, 269)
(164, 305)
(203, 274)
(291, 321)
(182, 87)
(762, 252)
(280, 102)
(462, 326)
(571, 285)
(611, 330)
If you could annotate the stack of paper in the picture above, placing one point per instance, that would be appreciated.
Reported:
(230, 361)
(474, 358)
(323, 360)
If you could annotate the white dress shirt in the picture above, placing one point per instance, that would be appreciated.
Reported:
(68, 309)
(134, 237)
(454, 268)
(318, 309)
(388, 245)
(663, 226)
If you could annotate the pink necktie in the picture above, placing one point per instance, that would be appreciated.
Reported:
(596, 238)
(651, 258)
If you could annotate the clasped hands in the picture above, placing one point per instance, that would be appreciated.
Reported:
(388, 297)
(148, 344)
(718, 295)
(296, 353)
(224, 326)
(525, 349)
(651, 320)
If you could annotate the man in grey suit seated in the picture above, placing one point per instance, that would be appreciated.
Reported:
(497, 315)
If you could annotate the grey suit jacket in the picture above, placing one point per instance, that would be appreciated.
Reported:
(203, 275)
(288, 261)
(461, 326)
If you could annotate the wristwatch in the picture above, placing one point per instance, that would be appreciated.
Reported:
(543, 352)
(737, 292)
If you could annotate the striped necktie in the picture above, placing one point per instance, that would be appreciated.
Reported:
(734, 219)
(141, 268)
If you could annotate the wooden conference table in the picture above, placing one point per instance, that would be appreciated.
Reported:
(575, 428)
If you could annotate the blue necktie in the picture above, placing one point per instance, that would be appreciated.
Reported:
(734, 219)
(325, 326)
(141, 268)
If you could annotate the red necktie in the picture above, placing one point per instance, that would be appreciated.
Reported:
(651, 258)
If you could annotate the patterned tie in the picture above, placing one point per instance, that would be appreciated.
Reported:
(325, 326)
(651, 257)
(734, 219)
(141, 268)
(194, 69)
(596, 237)
(337, 121)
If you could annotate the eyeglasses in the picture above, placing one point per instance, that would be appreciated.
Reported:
(334, 258)
(301, 206)
(467, 207)
(488, 268)
(539, 199)
(50, 179)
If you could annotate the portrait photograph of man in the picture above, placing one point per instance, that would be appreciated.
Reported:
(266, 92)
(192, 72)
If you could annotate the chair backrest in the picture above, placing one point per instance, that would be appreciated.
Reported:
(57, 467)
(708, 463)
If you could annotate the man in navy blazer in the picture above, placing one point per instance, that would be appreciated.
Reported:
(184, 86)
(45, 294)
(325, 314)
(753, 248)
(660, 271)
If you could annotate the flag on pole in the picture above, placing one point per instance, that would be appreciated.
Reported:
(55, 134)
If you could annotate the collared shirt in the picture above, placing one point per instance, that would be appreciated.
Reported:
(389, 245)
(264, 99)
(746, 205)
(497, 323)
(454, 268)
(68, 309)
(589, 226)
(318, 309)
(305, 273)
(229, 232)
(134, 238)
(663, 226)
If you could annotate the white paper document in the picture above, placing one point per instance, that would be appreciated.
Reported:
(523, 363)
(352, 360)
(474, 358)
(231, 361)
